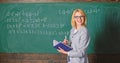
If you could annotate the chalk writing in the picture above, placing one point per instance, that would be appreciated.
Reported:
(39, 32)
(65, 11)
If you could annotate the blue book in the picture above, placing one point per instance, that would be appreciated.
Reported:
(57, 44)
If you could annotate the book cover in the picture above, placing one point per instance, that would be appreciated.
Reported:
(57, 44)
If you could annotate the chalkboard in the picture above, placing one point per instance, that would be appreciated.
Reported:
(31, 27)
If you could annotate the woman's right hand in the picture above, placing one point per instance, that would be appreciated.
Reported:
(65, 42)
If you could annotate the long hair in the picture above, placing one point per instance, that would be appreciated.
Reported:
(83, 14)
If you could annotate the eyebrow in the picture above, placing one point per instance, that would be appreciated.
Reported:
(79, 16)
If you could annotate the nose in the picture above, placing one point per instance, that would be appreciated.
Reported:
(78, 18)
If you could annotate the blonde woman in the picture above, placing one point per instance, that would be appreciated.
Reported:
(79, 38)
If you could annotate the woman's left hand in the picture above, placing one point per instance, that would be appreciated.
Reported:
(62, 51)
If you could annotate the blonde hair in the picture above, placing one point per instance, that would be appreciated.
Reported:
(83, 14)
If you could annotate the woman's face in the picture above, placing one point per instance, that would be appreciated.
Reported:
(79, 18)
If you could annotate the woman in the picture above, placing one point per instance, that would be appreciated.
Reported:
(79, 38)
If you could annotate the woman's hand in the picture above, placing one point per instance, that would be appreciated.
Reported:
(62, 51)
(65, 42)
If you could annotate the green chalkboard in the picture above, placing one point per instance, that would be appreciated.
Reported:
(31, 27)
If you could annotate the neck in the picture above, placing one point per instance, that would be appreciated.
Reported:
(78, 27)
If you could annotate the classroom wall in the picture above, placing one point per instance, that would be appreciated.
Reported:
(54, 58)
(59, 0)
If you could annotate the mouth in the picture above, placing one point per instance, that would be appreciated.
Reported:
(79, 21)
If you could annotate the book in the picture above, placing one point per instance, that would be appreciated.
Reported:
(57, 44)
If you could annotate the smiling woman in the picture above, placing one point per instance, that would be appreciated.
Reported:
(79, 38)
